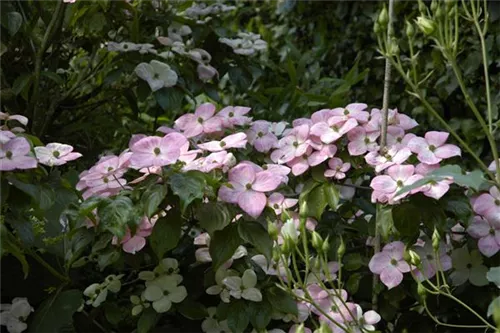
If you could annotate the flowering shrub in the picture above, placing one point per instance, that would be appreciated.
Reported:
(350, 220)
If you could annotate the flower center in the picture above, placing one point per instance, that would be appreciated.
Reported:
(56, 154)
(367, 141)
(388, 157)
(110, 169)
(492, 231)
(264, 167)
(165, 293)
(400, 183)
(8, 154)
(105, 180)
(157, 151)
(295, 144)
(337, 168)
(469, 266)
(200, 120)
(156, 76)
(432, 148)
(399, 140)
(394, 262)
(170, 270)
(231, 114)
(249, 186)
(222, 143)
(260, 134)
(125, 46)
(346, 112)
(497, 202)
(334, 128)
(276, 206)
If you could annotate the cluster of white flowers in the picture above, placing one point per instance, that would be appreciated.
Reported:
(98, 292)
(131, 47)
(13, 316)
(230, 284)
(162, 287)
(247, 43)
(200, 11)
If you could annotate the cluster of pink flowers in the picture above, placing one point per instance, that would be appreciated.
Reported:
(16, 152)
(486, 225)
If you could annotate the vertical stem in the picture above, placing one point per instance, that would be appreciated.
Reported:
(383, 139)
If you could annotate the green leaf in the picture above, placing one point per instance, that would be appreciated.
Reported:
(493, 275)
(114, 314)
(223, 244)
(192, 310)
(42, 194)
(108, 257)
(352, 261)
(115, 216)
(56, 312)
(152, 198)
(237, 316)
(14, 22)
(53, 76)
(9, 245)
(21, 82)
(384, 221)
(352, 284)
(255, 234)
(281, 300)
(147, 321)
(406, 217)
(260, 314)
(315, 203)
(472, 180)
(240, 78)
(292, 72)
(494, 308)
(188, 187)
(166, 234)
(169, 99)
(332, 194)
(213, 216)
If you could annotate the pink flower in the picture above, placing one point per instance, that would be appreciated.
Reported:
(6, 136)
(368, 320)
(234, 116)
(322, 153)
(293, 145)
(202, 121)
(337, 168)
(247, 188)
(488, 204)
(392, 157)
(492, 166)
(423, 169)
(186, 155)
(279, 170)
(278, 202)
(7, 117)
(155, 151)
(429, 261)
(396, 137)
(390, 264)
(488, 233)
(300, 164)
(361, 142)
(237, 140)
(395, 119)
(334, 128)
(433, 149)
(206, 72)
(132, 244)
(261, 137)
(435, 189)
(13, 155)
(55, 154)
(353, 110)
(385, 187)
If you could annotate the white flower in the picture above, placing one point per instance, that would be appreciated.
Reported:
(164, 292)
(176, 31)
(289, 232)
(98, 292)
(367, 320)
(212, 325)
(199, 55)
(247, 44)
(146, 48)
(272, 268)
(139, 304)
(167, 268)
(468, 267)
(13, 315)
(157, 74)
(244, 287)
(220, 289)
(13, 324)
(55, 154)
(123, 47)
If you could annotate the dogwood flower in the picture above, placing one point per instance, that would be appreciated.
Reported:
(247, 188)
(168, 268)
(14, 315)
(270, 268)
(353, 110)
(429, 260)
(14, 155)
(5, 117)
(295, 144)
(6, 136)
(234, 116)
(211, 325)
(337, 168)
(278, 202)
(164, 292)
(432, 149)
(488, 233)
(389, 263)
(236, 140)
(157, 74)
(366, 320)
(361, 142)
(468, 267)
(139, 303)
(243, 287)
(385, 187)
(488, 204)
(202, 121)
(334, 128)
(132, 244)
(393, 156)
(98, 292)
(154, 151)
(220, 288)
(206, 72)
(261, 137)
(492, 166)
(55, 154)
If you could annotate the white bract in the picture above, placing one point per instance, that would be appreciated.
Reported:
(244, 287)
(98, 292)
(157, 74)
(220, 288)
(13, 316)
(162, 293)
(247, 44)
(468, 267)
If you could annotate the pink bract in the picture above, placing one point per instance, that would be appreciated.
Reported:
(202, 121)
(390, 264)
(234, 116)
(14, 155)
(488, 233)
(55, 154)
(155, 151)
(432, 149)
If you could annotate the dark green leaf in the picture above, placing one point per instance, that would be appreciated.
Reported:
(223, 244)
(352, 261)
(166, 233)
(9, 245)
(192, 310)
(332, 194)
(352, 284)
(56, 312)
(406, 217)
(152, 198)
(147, 321)
(115, 216)
(188, 187)
(14, 22)
(213, 216)
(260, 314)
(384, 221)
(281, 300)
(169, 99)
(255, 234)
(108, 257)
(315, 203)
(21, 83)
(237, 316)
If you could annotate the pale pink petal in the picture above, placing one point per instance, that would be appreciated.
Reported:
(447, 151)
(205, 110)
(383, 184)
(437, 190)
(436, 139)
(379, 262)
(400, 172)
(488, 246)
(134, 244)
(242, 174)
(266, 181)
(479, 228)
(252, 202)
(299, 165)
(418, 144)
(391, 277)
(371, 317)
(231, 195)
(212, 125)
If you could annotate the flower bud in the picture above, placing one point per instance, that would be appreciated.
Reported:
(289, 232)
(376, 28)
(317, 241)
(436, 239)
(341, 249)
(426, 25)
(324, 328)
(421, 291)
(394, 47)
(383, 17)
(422, 8)
(326, 245)
(410, 31)
(300, 329)
(272, 229)
(439, 13)
(434, 5)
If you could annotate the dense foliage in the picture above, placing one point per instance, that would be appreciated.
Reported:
(225, 167)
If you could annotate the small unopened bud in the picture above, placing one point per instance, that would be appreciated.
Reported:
(450, 3)
(426, 25)
(300, 329)
(272, 229)
(324, 328)
(410, 31)
(326, 245)
(414, 258)
(317, 241)
(394, 47)
(436, 239)
(439, 13)
(341, 249)
(422, 8)
(276, 256)
(421, 291)
(376, 28)
(434, 5)
(383, 17)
